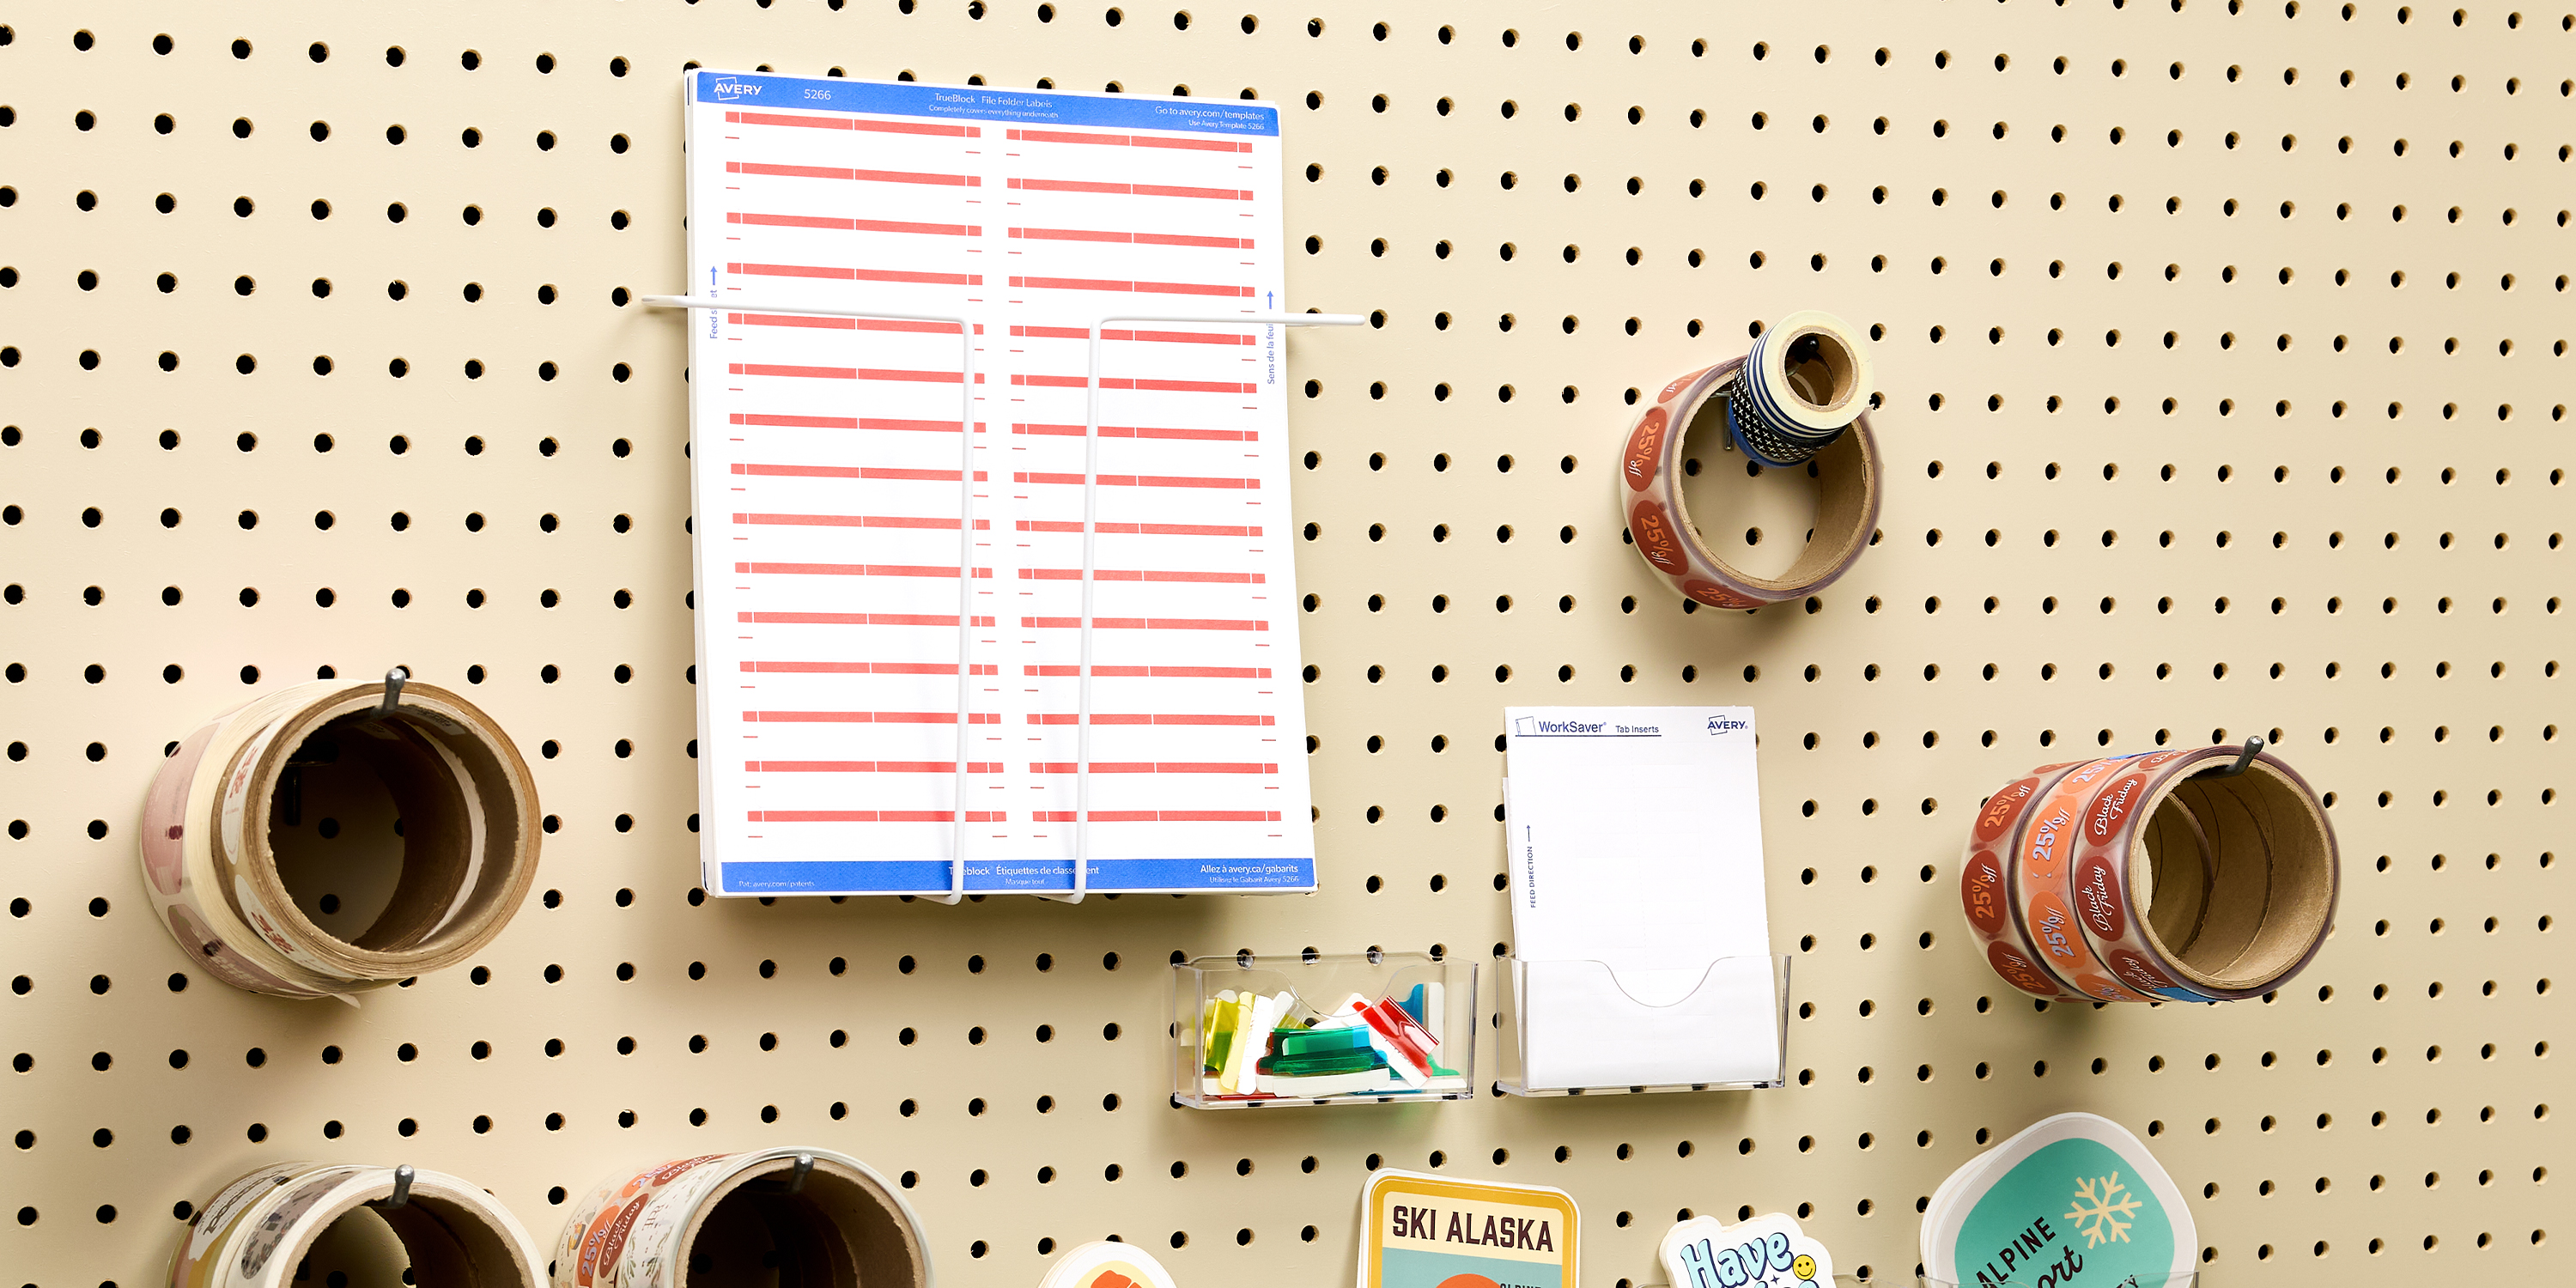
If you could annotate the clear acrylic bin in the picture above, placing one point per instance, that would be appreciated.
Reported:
(1578, 1028)
(1335, 1029)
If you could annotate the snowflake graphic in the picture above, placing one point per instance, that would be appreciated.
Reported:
(2102, 1205)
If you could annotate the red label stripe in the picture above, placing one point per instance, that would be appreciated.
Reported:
(1153, 672)
(842, 324)
(1132, 239)
(855, 472)
(1133, 431)
(1131, 140)
(859, 619)
(831, 273)
(848, 373)
(1168, 337)
(867, 717)
(850, 422)
(1146, 624)
(864, 176)
(1140, 529)
(1127, 574)
(851, 123)
(1162, 816)
(855, 570)
(1136, 288)
(1149, 386)
(870, 766)
(1129, 189)
(851, 225)
(1116, 382)
(1141, 480)
(855, 521)
(1155, 767)
(1067, 717)
(875, 816)
(863, 668)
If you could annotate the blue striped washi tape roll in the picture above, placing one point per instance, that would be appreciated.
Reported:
(1807, 378)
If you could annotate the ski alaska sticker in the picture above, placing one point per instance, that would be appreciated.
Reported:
(1768, 1251)
(2075, 1200)
(1422, 1231)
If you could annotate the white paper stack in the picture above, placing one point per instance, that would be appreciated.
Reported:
(1641, 938)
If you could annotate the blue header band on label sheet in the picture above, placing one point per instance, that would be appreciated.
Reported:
(981, 103)
(930, 876)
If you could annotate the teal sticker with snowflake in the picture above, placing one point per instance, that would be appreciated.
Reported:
(2072, 1213)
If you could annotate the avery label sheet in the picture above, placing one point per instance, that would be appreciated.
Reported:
(827, 462)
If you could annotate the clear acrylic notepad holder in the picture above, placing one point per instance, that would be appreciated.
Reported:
(1573, 1029)
(1428, 1003)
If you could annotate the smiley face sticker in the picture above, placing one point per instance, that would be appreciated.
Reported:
(1769, 1251)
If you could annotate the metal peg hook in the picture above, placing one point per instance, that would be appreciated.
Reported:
(796, 1179)
(394, 681)
(2244, 759)
(402, 1188)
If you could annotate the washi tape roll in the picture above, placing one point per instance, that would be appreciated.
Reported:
(1985, 892)
(255, 1232)
(1107, 1265)
(1659, 519)
(2150, 877)
(788, 1215)
(2204, 887)
(466, 812)
(1806, 380)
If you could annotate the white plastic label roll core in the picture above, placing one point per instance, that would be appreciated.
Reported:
(228, 858)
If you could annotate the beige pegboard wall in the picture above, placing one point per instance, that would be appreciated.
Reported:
(2351, 503)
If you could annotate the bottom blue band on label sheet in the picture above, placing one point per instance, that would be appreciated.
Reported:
(931, 876)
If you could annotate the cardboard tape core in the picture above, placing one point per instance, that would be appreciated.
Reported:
(839, 1229)
(2242, 872)
(447, 1242)
(1820, 370)
(259, 1231)
(308, 843)
(1846, 492)
(464, 806)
